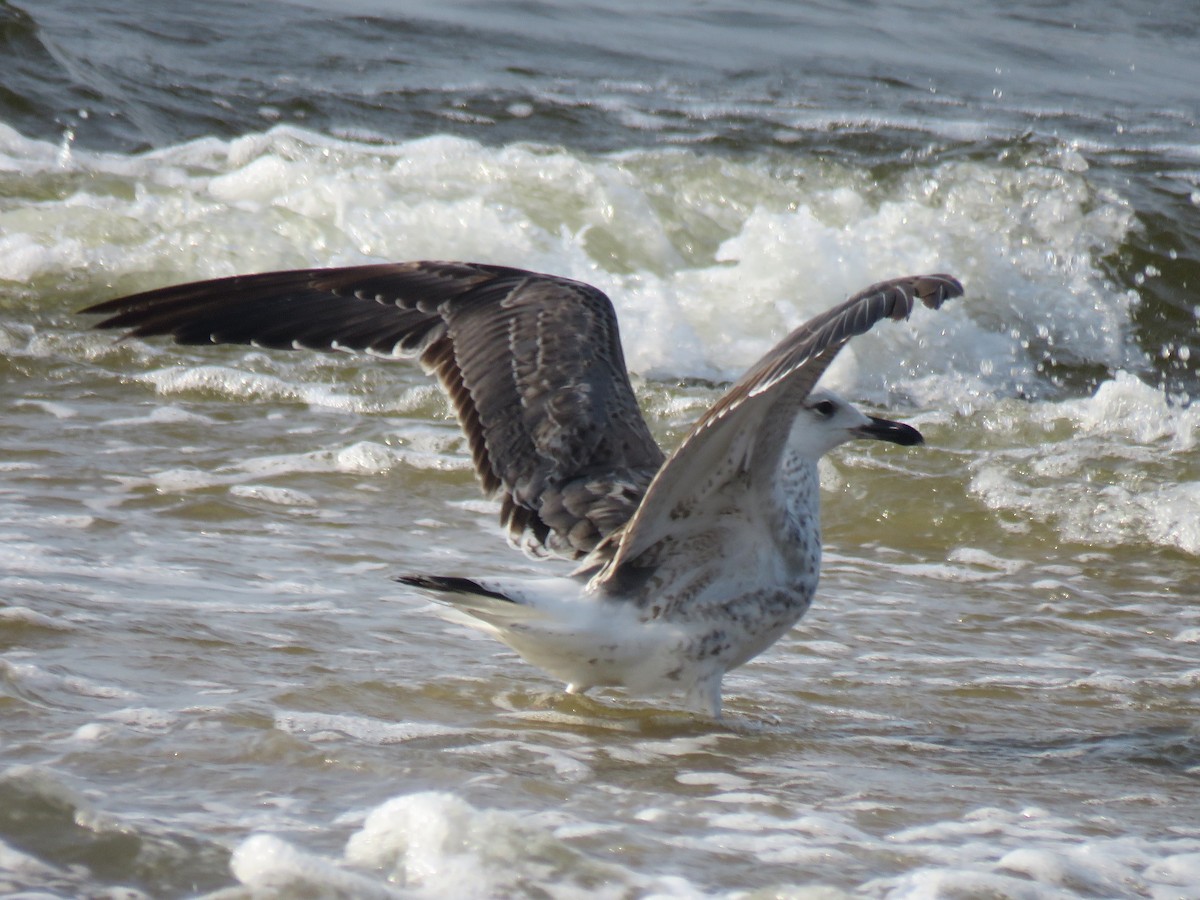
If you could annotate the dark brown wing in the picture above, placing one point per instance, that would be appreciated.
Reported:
(747, 429)
(532, 363)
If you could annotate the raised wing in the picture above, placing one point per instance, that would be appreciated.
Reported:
(747, 429)
(532, 363)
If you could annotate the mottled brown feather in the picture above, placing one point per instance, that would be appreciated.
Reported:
(532, 365)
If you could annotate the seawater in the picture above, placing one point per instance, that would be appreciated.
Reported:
(211, 687)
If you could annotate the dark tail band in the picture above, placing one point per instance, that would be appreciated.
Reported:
(449, 584)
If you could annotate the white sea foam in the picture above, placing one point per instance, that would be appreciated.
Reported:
(268, 864)
(145, 719)
(434, 844)
(58, 410)
(566, 765)
(274, 495)
(358, 458)
(329, 727)
(1111, 477)
(724, 781)
(238, 383)
(785, 246)
(160, 415)
(1126, 407)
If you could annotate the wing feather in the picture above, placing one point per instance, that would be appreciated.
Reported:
(747, 429)
(532, 365)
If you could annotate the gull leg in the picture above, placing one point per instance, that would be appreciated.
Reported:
(705, 695)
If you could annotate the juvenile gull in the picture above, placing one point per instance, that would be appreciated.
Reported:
(687, 565)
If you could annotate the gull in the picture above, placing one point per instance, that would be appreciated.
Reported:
(685, 565)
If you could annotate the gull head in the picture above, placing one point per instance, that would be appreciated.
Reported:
(826, 421)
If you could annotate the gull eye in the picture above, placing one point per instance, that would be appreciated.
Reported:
(824, 408)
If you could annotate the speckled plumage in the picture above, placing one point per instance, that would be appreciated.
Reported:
(688, 565)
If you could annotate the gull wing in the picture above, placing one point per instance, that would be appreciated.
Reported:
(532, 363)
(746, 431)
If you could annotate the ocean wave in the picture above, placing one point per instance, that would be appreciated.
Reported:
(708, 262)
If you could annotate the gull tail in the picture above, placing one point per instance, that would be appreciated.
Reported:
(482, 602)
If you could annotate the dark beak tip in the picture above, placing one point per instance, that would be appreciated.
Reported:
(893, 432)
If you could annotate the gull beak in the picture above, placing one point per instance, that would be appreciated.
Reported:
(887, 430)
